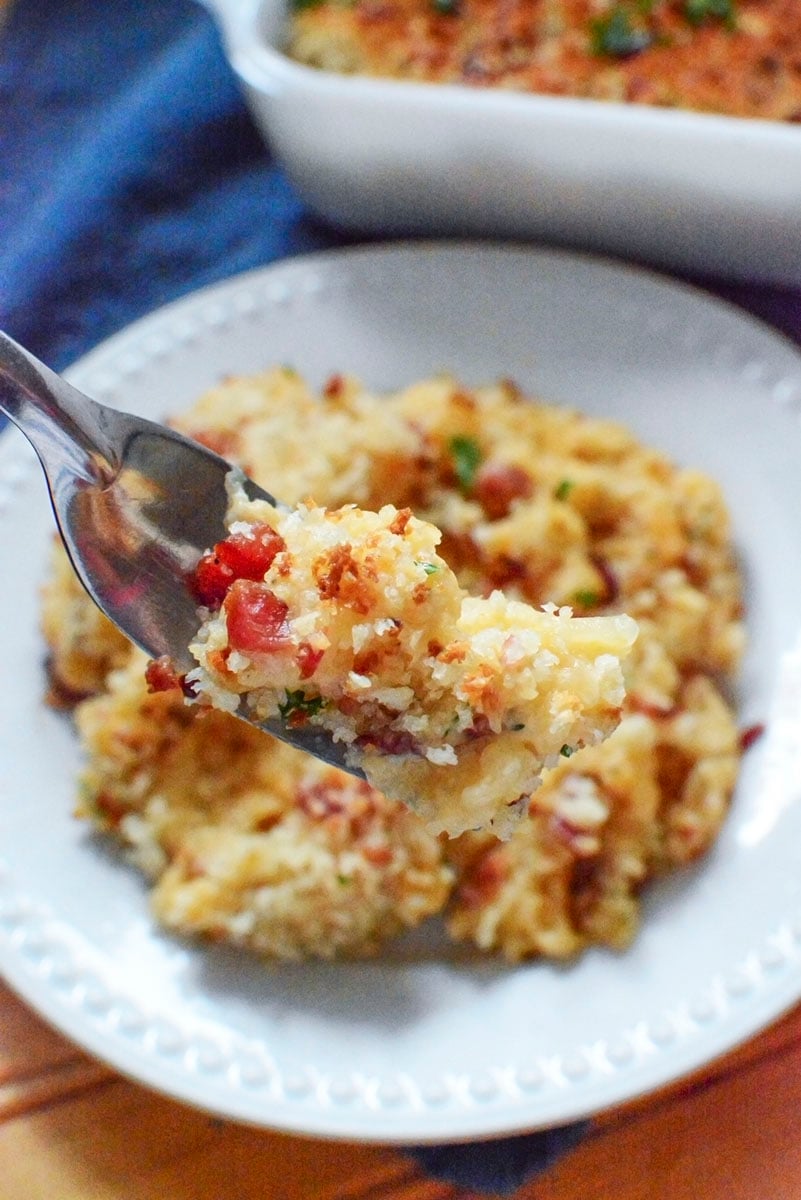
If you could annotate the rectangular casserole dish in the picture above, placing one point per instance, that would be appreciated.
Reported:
(682, 190)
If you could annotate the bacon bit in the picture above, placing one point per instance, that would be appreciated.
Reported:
(250, 555)
(503, 571)
(240, 556)
(59, 694)
(367, 663)
(498, 485)
(266, 822)
(694, 567)
(334, 387)
(389, 741)
(637, 88)
(321, 800)
(750, 735)
(608, 576)
(484, 878)
(308, 659)
(400, 521)
(378, 856)
(110, 808)
(581, 842)
(256, 619)
(648, 708)
(421, 593)
(348, 706)
(435, 648)
(458, 549)
(376, 11)
(161, 675)
(480, 728)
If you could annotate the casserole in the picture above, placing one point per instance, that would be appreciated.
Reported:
(678, 189)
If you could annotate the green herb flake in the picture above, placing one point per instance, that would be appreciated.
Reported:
(446, 8)
(586, 599)
(298, 704)
(564, 489)
(465, 453)
(699, 11)
(429, 568)
(300, 5)
(567, 751)
(517, 728)
(343, 880)
(618, 34)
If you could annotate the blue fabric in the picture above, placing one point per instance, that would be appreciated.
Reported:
(131, 171)
(130, 174)
(500, 1167)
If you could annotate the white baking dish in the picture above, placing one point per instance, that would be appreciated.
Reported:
(678, 189)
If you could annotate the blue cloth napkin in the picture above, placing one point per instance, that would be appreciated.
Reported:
(131, 174)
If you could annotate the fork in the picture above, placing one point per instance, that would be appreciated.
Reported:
(136, 504)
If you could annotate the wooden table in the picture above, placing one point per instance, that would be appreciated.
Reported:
(72, 1129)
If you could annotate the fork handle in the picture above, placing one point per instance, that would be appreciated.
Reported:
(65, 428)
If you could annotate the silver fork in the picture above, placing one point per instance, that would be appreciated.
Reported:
(136, 504)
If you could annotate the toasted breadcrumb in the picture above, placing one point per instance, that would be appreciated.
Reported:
(734, 57)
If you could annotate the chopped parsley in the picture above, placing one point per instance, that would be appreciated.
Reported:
(586, 599)
(620, 33)
(465, 454)
(563, 490)
(446, 8)
(566, 751)
(299, 5)
(698, 11)
(429, 568)
(299, 705)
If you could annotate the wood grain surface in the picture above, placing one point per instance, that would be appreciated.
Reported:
(72, 1129)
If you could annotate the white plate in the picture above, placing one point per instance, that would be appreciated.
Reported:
(430, 1043)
